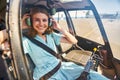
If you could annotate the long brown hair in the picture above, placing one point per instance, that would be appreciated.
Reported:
(33, 11)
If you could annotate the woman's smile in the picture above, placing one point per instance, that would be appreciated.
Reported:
(41, 27)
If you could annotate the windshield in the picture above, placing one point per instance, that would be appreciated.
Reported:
(110, 16)
(86, 25)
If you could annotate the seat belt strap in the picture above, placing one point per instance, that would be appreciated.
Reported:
(43, 46)
(53, 71)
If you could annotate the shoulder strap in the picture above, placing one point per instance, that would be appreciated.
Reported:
(54, 70)
(41, 45)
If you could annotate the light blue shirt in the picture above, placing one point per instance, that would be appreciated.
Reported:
(45, 62)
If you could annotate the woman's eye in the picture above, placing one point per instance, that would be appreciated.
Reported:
(44, 20)
(36, 19)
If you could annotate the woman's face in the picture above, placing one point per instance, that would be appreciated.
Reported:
(40, 22)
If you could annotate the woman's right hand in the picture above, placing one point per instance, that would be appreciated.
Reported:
(24, 25)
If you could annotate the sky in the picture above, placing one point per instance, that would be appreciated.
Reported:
(107, 6)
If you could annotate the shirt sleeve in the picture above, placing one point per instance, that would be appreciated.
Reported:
(26, 47)
(57, 37)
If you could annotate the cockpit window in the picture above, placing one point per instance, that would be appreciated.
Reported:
(110, 16)
(85, 25)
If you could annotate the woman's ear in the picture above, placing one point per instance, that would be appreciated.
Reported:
(28, 21)
(50, 22)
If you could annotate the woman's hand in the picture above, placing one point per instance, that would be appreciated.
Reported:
(67, 37)
(24, 25)
(56, 26)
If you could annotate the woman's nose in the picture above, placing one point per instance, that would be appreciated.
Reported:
(41, 22)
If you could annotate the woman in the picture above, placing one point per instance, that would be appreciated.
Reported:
(44, 61)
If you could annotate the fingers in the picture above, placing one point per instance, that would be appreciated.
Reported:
(25, 17)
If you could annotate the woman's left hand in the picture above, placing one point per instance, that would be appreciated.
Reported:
(56, 26)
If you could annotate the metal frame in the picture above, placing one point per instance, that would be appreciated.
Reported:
(14, 30)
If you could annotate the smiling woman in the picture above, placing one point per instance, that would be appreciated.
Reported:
(45, 62)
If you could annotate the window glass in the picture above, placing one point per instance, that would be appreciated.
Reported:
(110, 16)
(86, 26)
